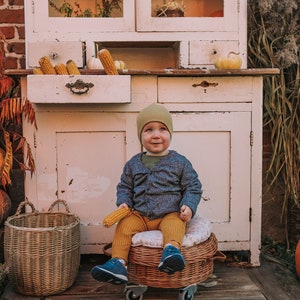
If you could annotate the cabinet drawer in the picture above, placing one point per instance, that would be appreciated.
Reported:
(207, 52)
(204, 89)
(58, 52)
(79, 88)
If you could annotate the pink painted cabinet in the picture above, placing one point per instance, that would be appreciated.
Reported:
(84, 140)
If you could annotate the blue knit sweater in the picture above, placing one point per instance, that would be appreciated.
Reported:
(171, 183)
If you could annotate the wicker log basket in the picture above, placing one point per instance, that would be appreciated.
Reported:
(143, 262)
(42, 250)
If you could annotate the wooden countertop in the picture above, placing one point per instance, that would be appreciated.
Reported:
(169, 72)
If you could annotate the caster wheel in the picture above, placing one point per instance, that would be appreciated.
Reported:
(131, 296)
(185, 295)
(188, 292)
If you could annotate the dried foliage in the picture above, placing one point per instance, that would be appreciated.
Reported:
(12, 109)
(273, 42)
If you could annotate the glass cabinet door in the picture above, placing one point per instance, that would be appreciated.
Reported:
(187, 15)
(59, 18)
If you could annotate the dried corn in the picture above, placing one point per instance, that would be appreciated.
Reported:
(107, 62)
(61, 69)
(38, 71)
(46, 65)
(72, 67)
(116, 216)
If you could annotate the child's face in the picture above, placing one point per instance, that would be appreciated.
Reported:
(156, 138)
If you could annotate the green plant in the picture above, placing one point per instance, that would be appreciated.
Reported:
(107, 7)
(13, 145)
(278, 252)
(273, 41)
(103, 8)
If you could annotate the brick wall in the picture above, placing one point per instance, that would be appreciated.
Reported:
(13, 27)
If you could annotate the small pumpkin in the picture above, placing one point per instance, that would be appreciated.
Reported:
(94, 63)
(120, 64)
(231, 61)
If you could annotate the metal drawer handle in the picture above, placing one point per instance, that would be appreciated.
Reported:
(205, 84)
(79, 87)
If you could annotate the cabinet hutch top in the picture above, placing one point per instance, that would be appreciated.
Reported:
(93, 22)
(84, 19)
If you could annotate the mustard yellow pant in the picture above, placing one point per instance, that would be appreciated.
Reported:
(171, 226)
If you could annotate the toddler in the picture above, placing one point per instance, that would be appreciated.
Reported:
(162, 190)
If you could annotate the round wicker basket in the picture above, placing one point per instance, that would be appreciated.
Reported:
(143, 262)
(42, 250)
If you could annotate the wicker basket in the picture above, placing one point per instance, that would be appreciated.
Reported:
(42, 250)
(143, 262)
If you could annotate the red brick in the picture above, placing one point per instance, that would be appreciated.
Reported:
(16, 2)
(11, 63)
(16, 47)
(1, 46)
(22, 62)
(8, 31)
(21, 32)
(15, 16)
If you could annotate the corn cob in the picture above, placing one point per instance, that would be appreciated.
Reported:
(116, 216)
(61, 69)
(46, 65)
(72, 67)
(38, 71)
(107, 62)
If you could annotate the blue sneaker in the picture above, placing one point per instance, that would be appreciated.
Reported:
(171, 260)
(112, 271)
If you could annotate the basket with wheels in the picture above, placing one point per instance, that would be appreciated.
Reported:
(200, 249)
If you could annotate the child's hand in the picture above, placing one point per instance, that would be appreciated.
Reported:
(185, 213)
(123, 205)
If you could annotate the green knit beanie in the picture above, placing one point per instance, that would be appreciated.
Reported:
(154, 113)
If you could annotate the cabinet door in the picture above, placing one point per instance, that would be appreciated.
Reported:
(75, 20)
(79, 158)
(218, 145)
(210, 16)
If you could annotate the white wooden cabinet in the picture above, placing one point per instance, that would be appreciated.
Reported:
(84, 138)
(80, 151)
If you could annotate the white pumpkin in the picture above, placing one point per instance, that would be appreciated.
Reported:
(94, 63)
(231, 61)
(120, 64)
